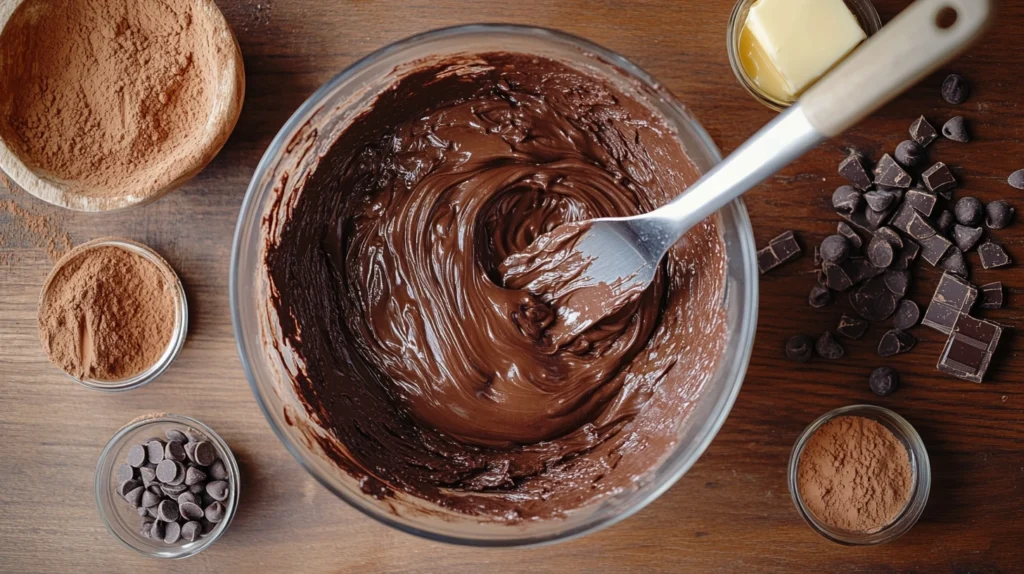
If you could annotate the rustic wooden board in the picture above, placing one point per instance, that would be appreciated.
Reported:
(732, 512)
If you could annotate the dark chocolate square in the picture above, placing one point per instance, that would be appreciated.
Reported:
(953, 296)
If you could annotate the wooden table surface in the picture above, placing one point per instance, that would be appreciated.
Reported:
(731, 512)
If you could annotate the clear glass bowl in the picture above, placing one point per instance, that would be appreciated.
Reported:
(180, 314)
(863, 10)
(922, 477)
(294, 153)
(121, 519)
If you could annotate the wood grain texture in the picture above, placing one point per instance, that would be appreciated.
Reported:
(731, 512)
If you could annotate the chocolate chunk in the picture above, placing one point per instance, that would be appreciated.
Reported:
(835, 249)
(137, 455)
(891, 236)
(934, 248)
(897, 282)
(125, 472)
(944, 221)
(907, 315)
(155, 451)
(955, 263)
(218, 471)
(846, 199)
(157, 530)
(173, 490)
(992, 255)
(953, 296)
(206, 453)
(880, 252)
(134, 496)
(853, 170)
(166, 471)
(175, 435)
(938, 178)
(175, 451)
(150, 499)
(969, 211)
(852, 327)
(190, 511)
(906, 256)
(828, 348)
(836, 277)
(895, 342)
(890, 174)
(844, 229)
(966, 237)
(218, 489)
(956, 130)
(969, 349)
(780, 250)
(992, 295)
(126, 486)
(876, 219)
(923, 132)
(859, 269)
(195, 476)
(955, 89)
(148, 476)
(922, 201)
(215, 512)
(866, 219)
(873, 301)
(190, 530)
(1016, 179)
(167, 510)
(879, 200)
(903, 216)
(909, 153)
(172, 533)
(998, 214)
(819, 297)
(884, 381)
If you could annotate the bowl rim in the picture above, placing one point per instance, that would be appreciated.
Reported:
(746, 330)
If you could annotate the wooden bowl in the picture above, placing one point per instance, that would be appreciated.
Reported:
(156, 178)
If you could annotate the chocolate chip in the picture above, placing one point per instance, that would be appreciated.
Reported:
(880, 252)
(842, 228)
(875, 219)
(944, 221)
(909, 153)
(992, 255)
(167, 510)
(126, 486)
(938, 178)
(846, 199)
(835, 249)
(175, 435)
(998, 214)
(193, 435)
(150, 499)
(879, 200)
(206, 453)
(780, 250)
(955, 129)
(906, 316)
(190, 447)
(955, 263)
(921, 200)
(166, 471)
(157, 530)
(819, 296)
(155, 451)
(890, 174)
(923, 132)
(895, 342)
(197, 488)
(187, 496)
(884, 381)
(906, 256)
(992, 295)
(137, 455)
(851, 327)
(966, 237)
(195, 476)
(173, 490)
(146, 529)
(955, 89)
(1016, 179)
(873, 300)
(148, 476)
(853, 170)
(172, 533)
(827, 347)
(190, 511)
(836, 277)
(125, 472)
(190, 530)
(174, 451)
(897, 282)
(969, 211)
(218, 489)
(207, 526)
(215, 512)
(969, 349)
(891, 236)
(953, 296)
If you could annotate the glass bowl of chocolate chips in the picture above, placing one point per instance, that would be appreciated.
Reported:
(167, 486)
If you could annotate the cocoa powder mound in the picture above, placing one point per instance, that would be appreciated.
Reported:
(111, 93)
(854, 474)
(106, 313)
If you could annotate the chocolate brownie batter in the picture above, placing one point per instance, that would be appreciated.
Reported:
(434, 377)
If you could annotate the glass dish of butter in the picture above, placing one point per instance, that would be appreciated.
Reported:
(779, 48)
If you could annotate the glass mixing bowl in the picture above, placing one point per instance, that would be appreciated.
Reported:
(295, 152)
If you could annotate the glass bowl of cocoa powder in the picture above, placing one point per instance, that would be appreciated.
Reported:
(860, 475)
(112, 314)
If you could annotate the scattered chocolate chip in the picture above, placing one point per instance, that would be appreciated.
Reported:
(844, 229)
(966, 237)
(835, 249)
(880, 252)
(897, 282)
(846, 199)
(955, 89)
(955, 129)
(890, 174)
(851, 327)
(157, 530)
(992, 255)
(998, 214)
(938, 178)
(206, 454)
(906, 316)
(853, 170)
(969, 211)
(190, 530)
(969, 349)
(895, 342)
(175, 435)
(166, 471)
(955, 263)
(214, 512)
(953, 297)
(167, 510)
(992, 296)
(944, 221)
(1016, 179)
(137, 455)
(884, 381)
(873, 300)
(828, 348)
(923, 132)
(837, 277)
(909, 153)
(879, 200)
(218, 489)
(172, 533)
(125, 472)
(921, 200)
(780, 250)
(134, 496)
(149, 498)
(194, 476)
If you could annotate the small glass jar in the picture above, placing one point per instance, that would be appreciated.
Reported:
(180, 313)
(921, 477)
(123, 522)
(863, 10)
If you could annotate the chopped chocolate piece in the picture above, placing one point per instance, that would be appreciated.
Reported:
(970, 347)
(966, 237)
(895, 342)
(938, 178)
(944, 221)
(921, 200)
(1016, 179)
(891, 236)
(952, 297)
(890, 174)
(835, 249)
(780, 250)
(992, 255)
(955, 263)
(901, 219)
(909, 153)
(819, 297)
(934, 248)
(799, 348)
(998, 214)
(859, 269)
(879, 200)
(907, 315)
(880, 252)
(865, 219)
(955, 89)
(873, 301)
(852, 327)
(846, 199)
(992, 296)
(875, 219)
(837, 277)
(851, 236)
(955, 129)
(906, 256)
(923, 132)
(897, 282)
(853, 170)
(884, 381)
(969, 211)
(828, 348)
